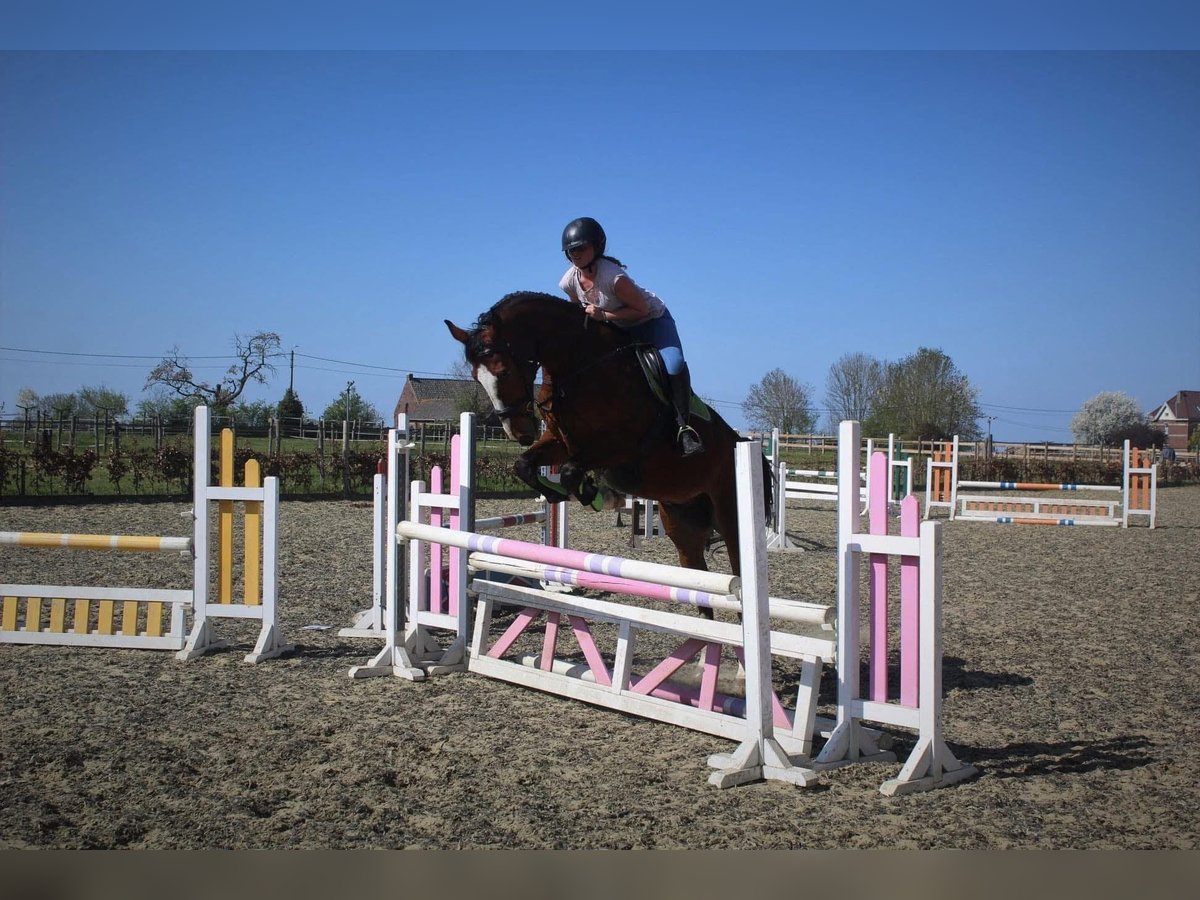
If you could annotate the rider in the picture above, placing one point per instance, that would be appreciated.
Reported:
(600, 285)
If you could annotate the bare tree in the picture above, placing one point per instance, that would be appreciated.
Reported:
(851, 388)
(779, 401)
(253, 355)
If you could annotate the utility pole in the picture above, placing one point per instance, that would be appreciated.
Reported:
(292, 372)
(346, 444)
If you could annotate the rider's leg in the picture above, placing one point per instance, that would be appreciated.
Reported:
(668, 344)
(681, 398)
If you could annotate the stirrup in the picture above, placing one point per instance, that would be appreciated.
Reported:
(689, 448)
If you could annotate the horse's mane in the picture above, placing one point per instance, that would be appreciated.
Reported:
(545, 309)
(505, 306)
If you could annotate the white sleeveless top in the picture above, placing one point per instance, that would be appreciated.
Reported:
(603, 293)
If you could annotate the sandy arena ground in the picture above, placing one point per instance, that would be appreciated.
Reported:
(1071, 682)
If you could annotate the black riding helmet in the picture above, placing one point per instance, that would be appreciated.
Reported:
(583, 231)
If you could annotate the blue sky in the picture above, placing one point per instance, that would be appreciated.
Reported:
(1021, 193)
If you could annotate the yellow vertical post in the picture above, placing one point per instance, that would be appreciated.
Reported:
(104, 619)
(8, 621)
(225, 523)
(129, 611)
(154, 619)
(252, 571)
(81, 616)
(33, 614)
(58, 615)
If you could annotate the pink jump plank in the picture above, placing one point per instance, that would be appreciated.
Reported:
(549, 642)
(910, 607)
(668, 667)
(878, 524)
(779, 714)
(712, 670)
(587, 644)
(436, 598)
(525, 618)
(455, 554)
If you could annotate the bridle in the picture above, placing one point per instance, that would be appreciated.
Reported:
(526, 405)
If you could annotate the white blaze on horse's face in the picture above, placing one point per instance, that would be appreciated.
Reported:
(491, 386)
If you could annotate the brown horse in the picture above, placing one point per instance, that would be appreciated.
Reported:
(602, 417)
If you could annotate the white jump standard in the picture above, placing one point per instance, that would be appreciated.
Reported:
(772, 741)
(133, 617)
(1138, 495)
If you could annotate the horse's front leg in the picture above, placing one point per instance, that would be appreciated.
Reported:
(576, 480)
(545, 451)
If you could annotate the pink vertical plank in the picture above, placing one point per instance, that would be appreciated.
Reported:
(524, 619)
(712, 669)
(435, 550)
(549, 642)
(455, 471)
(779, 714)
(591, 653)
(667, 667)
(877, 509)
(910, 607)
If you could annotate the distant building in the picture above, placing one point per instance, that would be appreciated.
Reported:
(442, 399)
(1178, 418)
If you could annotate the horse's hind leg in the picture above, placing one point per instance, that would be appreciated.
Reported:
(689, 535)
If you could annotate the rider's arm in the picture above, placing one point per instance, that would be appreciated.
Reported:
(634, 305)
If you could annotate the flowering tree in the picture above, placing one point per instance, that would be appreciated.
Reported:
(1104, 417)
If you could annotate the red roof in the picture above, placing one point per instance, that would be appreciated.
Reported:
(1184, 405)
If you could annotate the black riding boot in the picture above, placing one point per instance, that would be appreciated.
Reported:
(681, 398)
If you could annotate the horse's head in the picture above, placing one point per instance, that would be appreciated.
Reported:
(506, 366)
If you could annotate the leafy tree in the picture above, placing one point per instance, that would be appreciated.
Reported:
(779, 401)
(259, 412)
(166, 407)
(253, 355)
(28, 397)
(352, 402)
(62, 405)
(925, 396)
(1105, 417)
(101, 397)
(290, 406)
(1142, 435)
(851, 387)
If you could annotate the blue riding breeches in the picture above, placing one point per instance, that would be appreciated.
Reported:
(663, 334)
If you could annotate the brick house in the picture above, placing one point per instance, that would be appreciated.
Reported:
(1178, 418)
(442, 399)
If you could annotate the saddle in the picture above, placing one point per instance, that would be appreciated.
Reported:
(651, 362)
